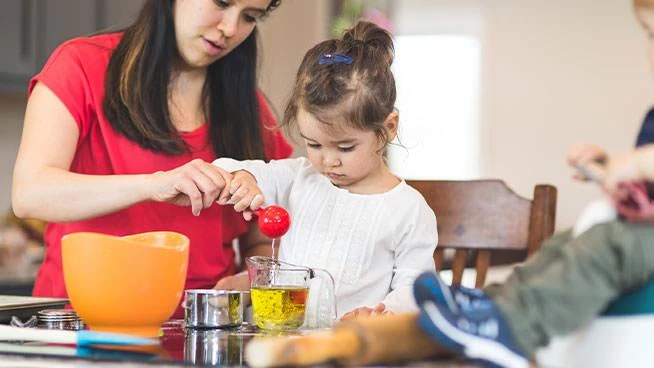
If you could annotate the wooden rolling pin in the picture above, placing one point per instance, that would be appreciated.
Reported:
(369, 340)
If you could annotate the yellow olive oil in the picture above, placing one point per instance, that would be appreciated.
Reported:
(279, 307)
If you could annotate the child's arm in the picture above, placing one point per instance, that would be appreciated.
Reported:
(272, 180)
(414, 254)
(635, 166)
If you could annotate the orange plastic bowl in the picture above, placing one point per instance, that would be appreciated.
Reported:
(129, 284)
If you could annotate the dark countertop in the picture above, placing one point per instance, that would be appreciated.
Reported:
(179, 347)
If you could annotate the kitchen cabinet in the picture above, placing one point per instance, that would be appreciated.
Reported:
(17, 39)
(31, 29)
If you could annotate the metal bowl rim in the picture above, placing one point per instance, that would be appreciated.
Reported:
(215, 292)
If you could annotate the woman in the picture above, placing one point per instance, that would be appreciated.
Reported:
(120, 130)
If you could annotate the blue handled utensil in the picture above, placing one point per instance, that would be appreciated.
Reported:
(79, 351)
(79, 338)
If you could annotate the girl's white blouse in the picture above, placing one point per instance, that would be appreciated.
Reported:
(374, 245)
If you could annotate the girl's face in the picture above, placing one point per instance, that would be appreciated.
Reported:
(206, 30)
(350, 158)
(646, 17)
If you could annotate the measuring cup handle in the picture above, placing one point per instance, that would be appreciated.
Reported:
(328, 282)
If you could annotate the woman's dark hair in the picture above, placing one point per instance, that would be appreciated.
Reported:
(360, 93)
(136, 89)
(643, 4)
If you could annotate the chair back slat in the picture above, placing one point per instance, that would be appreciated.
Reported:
(458, 264)
(485, 216)
(439, 254)
(481, 266)
(542, 216)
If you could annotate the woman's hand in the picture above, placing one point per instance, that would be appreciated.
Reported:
(581, 154)
(197, 184)
(245, 193)
(240, 281)
(379, 309)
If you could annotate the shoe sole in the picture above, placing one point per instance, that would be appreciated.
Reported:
(472, 346)
(426, 324)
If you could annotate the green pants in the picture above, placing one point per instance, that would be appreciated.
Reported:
(570, 281)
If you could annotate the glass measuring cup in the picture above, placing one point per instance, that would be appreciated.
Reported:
(280, 292)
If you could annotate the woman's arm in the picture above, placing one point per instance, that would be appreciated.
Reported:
(44, 188)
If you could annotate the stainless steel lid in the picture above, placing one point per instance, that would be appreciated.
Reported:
(59, 319)
(57, 315)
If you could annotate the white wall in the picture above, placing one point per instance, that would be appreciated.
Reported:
(293, 28)
(559, 72)
(290, 31)
(553, 73)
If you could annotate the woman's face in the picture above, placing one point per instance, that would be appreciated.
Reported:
(206, 30)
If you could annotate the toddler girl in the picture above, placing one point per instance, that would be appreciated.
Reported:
(350, 214)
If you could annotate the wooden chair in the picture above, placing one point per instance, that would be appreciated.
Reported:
(478, 217)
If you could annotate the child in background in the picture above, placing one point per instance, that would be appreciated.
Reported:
(586, 155)
(350, 214)
(582, 155)
(562, 287)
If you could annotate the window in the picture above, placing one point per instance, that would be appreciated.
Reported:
(438, 82)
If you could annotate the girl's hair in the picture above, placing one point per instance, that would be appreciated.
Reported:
(136, 89)
(360, 94)
(643, 3)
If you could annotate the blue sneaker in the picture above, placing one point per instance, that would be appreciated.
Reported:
(459, 299)
(488, 340)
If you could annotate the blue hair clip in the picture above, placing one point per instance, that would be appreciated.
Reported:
(327, 59)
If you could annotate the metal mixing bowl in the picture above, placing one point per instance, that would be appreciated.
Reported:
(209, 308)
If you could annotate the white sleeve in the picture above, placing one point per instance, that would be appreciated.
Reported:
(414, 254)
(275, 178)
(596, 212)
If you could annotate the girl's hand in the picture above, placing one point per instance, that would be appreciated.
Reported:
(245, 193)
(379, 309)
(197, 184)
(582, 154)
